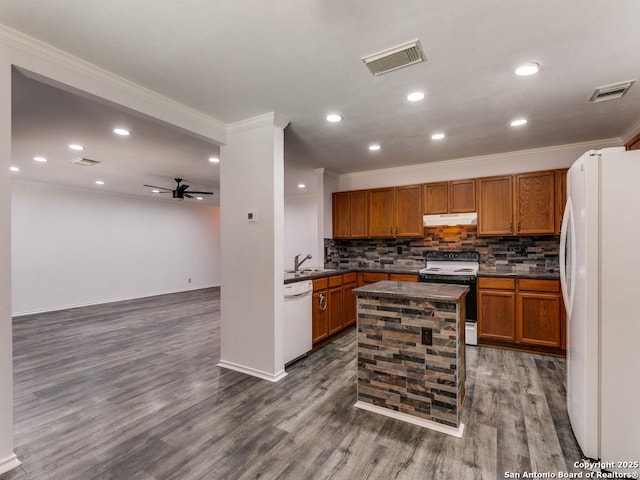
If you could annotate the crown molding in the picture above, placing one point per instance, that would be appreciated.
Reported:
(594, 144)
(264, 120)
(125, 92)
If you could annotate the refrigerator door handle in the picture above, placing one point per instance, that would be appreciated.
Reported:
(567, 231)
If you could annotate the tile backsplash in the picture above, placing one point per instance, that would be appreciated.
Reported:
(530, 253)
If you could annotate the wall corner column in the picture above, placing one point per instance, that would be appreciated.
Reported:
(252, 230)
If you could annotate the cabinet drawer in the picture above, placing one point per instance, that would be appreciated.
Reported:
(403, 277)
(372, 277)
(349, 278)
(320, 284)
(497, 283)
(335, 281)
(539, 285)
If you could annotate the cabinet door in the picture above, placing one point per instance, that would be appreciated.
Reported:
(408, 211)
(359, 213)
(335, 310)
(348, 305)
(319, 316)
(381, 212)
(462, 196)
(535, 206)
(496, 315)
(341, 215)
(538, 319)
(561, 196)
(373, 277)
(495, 206)
(436, 198)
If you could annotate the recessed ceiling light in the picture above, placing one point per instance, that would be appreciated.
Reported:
(40, 159)
(75, 146)
(99, 182)
(527, 69)
(437, 136)
(302, 185)
(121, 131)
(334, 118)
(415, 96)
(214, 159)
(374, 147)
(14, 169)
(155, 191)
(518, 122)
(199, 198)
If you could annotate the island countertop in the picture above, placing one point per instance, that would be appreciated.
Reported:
(413, 290)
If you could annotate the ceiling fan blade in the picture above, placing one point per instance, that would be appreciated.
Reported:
(153, 186)
(188, 196)
(202, 193)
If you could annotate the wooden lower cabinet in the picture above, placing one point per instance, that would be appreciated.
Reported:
(335, 304)
(348, 299)
(496, 315)
(403, 277)
(319, 310)
(522, 313)
(333, 307)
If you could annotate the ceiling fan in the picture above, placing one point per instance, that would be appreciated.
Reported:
(180, 190)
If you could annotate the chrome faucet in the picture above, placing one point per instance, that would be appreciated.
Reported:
(297, 262)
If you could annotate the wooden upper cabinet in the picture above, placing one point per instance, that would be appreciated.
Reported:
(561, 196)
(462, 196)
(435, 198)
(359, 213)
(634, 143)
(534, 203)
(408, 211)
(495, 205)
(382, 212)
(350, 214)
(341, 215)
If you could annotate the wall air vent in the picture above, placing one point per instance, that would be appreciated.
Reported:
(87, 162)
(394, 58)
(610, 92)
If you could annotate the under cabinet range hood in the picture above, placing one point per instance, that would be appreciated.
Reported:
(449, 219)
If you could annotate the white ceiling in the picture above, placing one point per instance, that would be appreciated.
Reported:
(301, 58)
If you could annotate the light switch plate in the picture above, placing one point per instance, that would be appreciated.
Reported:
(252, 216)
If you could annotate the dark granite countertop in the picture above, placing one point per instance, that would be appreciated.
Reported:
(314, 273)
(511, 273)
(317, 272)
(413, 290)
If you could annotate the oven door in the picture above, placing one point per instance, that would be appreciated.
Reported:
(470, 302)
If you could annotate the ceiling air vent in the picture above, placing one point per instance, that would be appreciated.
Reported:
(610, 92)
(394, 58)
(87, 162)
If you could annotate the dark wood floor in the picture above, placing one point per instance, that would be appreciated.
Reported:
(131, 391)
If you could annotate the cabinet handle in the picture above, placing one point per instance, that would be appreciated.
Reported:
(322, 301)
(510, 227)
(518, 226)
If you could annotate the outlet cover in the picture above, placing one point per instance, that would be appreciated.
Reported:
(427, 336)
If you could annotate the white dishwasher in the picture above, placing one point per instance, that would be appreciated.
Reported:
(297, 319)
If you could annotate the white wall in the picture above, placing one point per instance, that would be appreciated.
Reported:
(301, 230)
(500, 164)
(73, 247)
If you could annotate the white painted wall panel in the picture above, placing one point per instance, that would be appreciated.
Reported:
(74, 247)
(301, 230)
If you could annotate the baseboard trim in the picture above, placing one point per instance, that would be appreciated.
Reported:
(253, 371)
(113, 300)
(421, 422)
(9, 464)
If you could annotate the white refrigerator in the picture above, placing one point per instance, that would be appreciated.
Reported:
(600, 278)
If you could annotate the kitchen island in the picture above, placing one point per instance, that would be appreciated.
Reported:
(411, 360)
